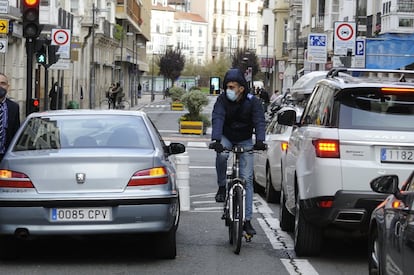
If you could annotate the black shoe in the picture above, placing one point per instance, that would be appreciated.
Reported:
(248, 228)
(221, 194)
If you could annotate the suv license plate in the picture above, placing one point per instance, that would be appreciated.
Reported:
(81, 214)
(397, 155)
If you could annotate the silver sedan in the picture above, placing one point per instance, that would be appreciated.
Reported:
(85, 172)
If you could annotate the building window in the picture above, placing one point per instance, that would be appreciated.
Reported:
(406, 22)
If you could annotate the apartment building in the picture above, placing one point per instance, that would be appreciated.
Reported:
(105, 46)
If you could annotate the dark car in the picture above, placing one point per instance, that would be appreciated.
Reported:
(391, 232)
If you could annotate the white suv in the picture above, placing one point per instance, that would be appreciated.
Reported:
(351, 131)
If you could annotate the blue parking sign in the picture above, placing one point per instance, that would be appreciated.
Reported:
(317, 40)
(360, 47)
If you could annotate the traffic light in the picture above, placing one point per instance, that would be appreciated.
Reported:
(41, 56)
(52, 54)
(34, 104)
(30, 11)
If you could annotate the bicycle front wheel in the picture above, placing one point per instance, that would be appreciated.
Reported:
(237, 223)
(104, 104)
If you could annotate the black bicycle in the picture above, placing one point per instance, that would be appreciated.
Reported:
(234, 205)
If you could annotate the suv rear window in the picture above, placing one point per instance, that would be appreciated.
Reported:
(389, 109)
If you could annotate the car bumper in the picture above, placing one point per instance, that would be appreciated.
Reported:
(128, 216)
(350, 210)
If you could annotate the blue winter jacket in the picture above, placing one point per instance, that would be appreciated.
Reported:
(236, 120)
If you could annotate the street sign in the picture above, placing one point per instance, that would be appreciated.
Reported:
(3, 45)
(4, 26)
(359, 61)
(4, 6)
(317, 48)
(61, 38)
(344, 37)
(61, 64)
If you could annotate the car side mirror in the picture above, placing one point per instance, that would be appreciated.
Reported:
(287, 117)
(387, 184)
(176, 148)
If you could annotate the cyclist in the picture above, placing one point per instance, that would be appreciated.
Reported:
(235, 114)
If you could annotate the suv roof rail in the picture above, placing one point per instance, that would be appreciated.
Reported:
(334, 72)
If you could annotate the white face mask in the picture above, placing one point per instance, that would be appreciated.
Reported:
(231, 95)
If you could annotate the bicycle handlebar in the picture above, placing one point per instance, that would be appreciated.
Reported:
(237, 149)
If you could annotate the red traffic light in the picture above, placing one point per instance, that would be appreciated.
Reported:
(31, 3)
(35, 102)
(30, 11)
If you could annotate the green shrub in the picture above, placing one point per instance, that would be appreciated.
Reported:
(194, 101)
(176, 93)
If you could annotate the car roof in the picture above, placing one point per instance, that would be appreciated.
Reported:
(86, 112)
(305, 84)
(363, 78)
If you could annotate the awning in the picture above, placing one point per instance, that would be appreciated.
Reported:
(389, 51)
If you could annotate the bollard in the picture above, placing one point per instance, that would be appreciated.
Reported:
(183, 180)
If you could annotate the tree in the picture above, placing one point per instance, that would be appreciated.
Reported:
(243, 59)
(171, 64)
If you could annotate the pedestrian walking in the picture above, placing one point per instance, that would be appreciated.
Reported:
(9, 116)
(54, 94)
(139, 90)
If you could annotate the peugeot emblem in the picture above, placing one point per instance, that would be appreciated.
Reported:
(80, 177)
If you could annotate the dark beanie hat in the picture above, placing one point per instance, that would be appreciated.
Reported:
(237, 76)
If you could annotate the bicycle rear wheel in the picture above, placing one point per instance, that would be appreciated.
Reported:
(124, 105)
(237, 223)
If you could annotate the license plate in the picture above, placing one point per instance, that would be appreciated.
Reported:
(81, 214)
(397, 155)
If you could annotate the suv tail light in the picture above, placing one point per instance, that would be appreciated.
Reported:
(152, 176)
(284, 146)
(326, 148)
(12, 179)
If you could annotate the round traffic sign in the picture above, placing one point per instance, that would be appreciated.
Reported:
(344, 31)
(61, 37)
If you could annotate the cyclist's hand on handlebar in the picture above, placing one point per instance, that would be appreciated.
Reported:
(260, 146)
(217, 146)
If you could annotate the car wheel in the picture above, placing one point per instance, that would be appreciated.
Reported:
(308, 238)
(287, 220)
(166, 244)
(374, 253)
(271, 194)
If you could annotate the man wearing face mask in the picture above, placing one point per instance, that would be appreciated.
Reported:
(9, 116)
(235, 114)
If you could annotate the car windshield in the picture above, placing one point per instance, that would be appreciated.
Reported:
(389, 109)
(98, 131)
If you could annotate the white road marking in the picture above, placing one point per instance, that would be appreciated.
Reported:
(202, 167)
(298, 266)
(280, 240)
(197, 144)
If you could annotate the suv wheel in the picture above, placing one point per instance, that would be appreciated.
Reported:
(287, 220)
(308, 238)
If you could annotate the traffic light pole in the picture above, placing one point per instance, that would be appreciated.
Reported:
(29, 72)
